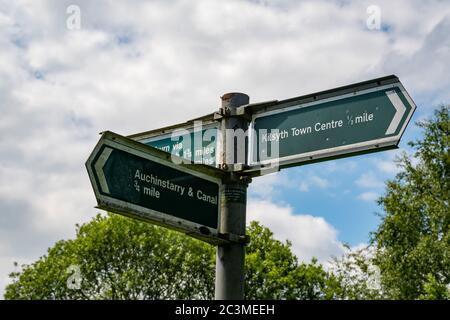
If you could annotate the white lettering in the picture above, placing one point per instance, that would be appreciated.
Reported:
(328, 125)
(152, 192)
(274, 136)
(206, 198)
(300, 131)
(203, 311)
(365, 117)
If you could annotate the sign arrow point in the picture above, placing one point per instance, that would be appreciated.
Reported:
(139, 181)
(400, 110)
(99, 169)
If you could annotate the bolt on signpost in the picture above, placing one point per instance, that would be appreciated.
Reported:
(193, 177)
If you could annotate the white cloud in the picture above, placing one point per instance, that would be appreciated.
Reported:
(310, 236)
(59, 88)
(319, 182)
(343, 165)
(7, 266)
(369, 196)
(311, 181)
(303, 186)
(386, 162)
(369, 180)
(357, 247)
(387, 166)
(270, 185)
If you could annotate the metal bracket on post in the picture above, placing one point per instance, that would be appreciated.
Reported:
(234, 238)
(238, 113)
(234, 167)
(258, 170)
(227, 112)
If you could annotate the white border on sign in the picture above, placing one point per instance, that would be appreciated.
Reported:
(157, 217)
(330, 152)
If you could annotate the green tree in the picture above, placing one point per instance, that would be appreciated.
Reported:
(122, 258)
(273, 272)
(413, 240)
(358, 276)
(119, 258)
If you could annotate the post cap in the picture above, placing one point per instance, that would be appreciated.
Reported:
(234, 99)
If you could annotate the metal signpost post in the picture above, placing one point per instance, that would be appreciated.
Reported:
(230, 257)
(194, 179)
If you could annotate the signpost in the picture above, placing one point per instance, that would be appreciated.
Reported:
(142, 182)
(187, 140)
(144, 176)
(366, 117)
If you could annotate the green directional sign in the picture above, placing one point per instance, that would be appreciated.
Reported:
(365, 117)
(143, 182)
(186, 141)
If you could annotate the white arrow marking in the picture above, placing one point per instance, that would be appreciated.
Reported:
(399, 111)
(99, 169)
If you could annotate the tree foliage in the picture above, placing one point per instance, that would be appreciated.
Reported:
(408, 258)
(122, 258)
(119, 258)
(413, 239)
(409, 253)
(357, 275)
(273, 272)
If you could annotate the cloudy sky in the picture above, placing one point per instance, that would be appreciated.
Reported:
(139, 65)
